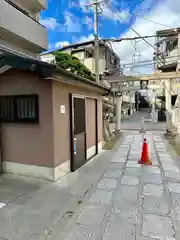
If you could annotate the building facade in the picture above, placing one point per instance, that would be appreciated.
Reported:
(109, 62)
(167, 53)
(51, 120)
(20, 30)
(108, 59)
(167, 59)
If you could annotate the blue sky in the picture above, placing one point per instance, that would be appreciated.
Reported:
(69, 21)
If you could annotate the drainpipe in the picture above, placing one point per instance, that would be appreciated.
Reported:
(1, 151)
(106, 57)
(178, 63)
(169, 124)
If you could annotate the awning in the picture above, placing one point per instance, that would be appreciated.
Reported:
(169, 66)
(43, 69)
(19, 62)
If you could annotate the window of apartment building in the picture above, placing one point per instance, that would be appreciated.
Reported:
(52, 61)
(172, 44)
(19, 108)
(88, 54)
(78, 54)
(112, 60)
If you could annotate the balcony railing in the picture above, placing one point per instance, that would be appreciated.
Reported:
(18, 27)
(22, 11)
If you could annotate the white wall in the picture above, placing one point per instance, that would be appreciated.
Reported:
(172, 56)
(49, 58)
(20, 31)
(16, 49)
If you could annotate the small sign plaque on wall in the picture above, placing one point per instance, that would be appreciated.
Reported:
(62, 109)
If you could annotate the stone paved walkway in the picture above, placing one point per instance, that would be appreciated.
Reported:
(132, 201)
(134, 122)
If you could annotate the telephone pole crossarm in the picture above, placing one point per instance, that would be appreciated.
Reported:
(95, 2)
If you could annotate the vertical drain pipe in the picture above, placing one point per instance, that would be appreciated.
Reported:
(1, 151)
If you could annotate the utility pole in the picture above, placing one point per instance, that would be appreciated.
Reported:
(96, 39)
(97, 9)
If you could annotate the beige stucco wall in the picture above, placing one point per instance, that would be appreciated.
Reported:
(61, 121)
(48, 142)
(28, 143)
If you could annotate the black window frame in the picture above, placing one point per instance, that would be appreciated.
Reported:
(12, 116)
(88, 54)
(79, 115)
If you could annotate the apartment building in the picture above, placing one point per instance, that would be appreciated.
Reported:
(20, 30)
(167, 59)
(108, 59)
(109, 62)
(167, 55)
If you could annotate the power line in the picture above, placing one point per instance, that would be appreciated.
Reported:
(151, 60)
(144, 39)
(140, 65)
(149, 20)
(137, 34)
(135, 38)
(115, 11)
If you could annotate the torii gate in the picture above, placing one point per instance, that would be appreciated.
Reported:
(158, 76)
(166, 76)
(144, 77)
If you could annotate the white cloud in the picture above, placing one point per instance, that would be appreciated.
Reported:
(107, 11)
(61, 44)
(83, 5)
(166, 13)
(49, 23)
(88, 21)
(145, 7)
(85, 39)
(72, 23)
(122, 16)
(125, 15)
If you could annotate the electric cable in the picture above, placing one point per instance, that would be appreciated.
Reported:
(115, 11)
(150, 60)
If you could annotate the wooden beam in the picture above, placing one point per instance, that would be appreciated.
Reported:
(158, 76)
(133, 78)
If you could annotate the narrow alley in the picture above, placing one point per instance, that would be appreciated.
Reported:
(111, 197)
(133, 122)
(132, 201)
(89, 120)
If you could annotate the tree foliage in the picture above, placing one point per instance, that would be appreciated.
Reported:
(72, 64)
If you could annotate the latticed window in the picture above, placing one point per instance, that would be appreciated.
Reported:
(19, 108)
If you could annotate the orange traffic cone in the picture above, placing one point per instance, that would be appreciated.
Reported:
(144, 156)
